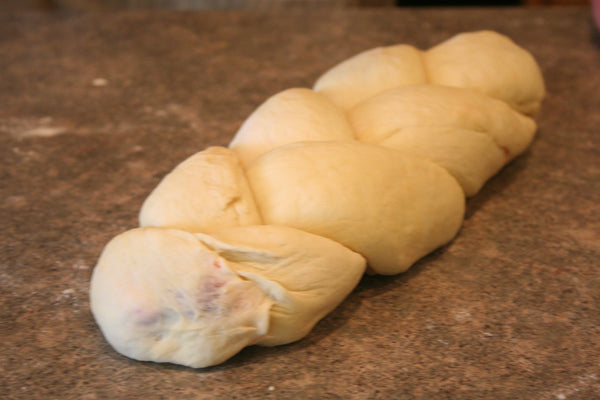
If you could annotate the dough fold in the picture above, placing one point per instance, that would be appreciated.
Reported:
(491, 63)
(468, 133)
(390, 207)
(304, 275)
(293, 115)
(485, 61)
(161, 295)
(206, 192)
(470, 157)
(166, 295)
(371, 72)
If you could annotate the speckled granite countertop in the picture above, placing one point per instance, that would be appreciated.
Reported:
(95, 109)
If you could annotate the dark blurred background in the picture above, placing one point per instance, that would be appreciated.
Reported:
(106, 5)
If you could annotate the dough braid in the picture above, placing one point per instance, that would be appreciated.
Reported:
(366, 171)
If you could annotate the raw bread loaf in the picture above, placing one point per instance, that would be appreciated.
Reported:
(390, 207)
(167, 295)
(256, 243)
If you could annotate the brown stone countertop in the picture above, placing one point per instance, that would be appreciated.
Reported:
(96, 109)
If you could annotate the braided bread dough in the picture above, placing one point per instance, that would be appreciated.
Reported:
(367, 171)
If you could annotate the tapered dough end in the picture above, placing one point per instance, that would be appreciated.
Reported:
(491, 63)
(390, 207)
(371, 72)
(161, 295)
(304, 275)
(294, 115)
(206, 192)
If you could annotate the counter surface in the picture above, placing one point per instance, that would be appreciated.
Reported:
(96, 108)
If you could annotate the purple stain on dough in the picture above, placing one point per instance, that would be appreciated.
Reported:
(147, 318)
(208, 294)
(204, 300)
(143, 317)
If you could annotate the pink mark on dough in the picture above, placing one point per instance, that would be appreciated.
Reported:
(145, 317)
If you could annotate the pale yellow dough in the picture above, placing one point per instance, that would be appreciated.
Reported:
(491, 63)
(470, 134)
(469, 156)
(290, 116)
(432, 105)
(484, 60)
(161, 295)
(305, 276)
(257, 242)
(390, 207)
(166, 295)
(372, 72)
(206, 192)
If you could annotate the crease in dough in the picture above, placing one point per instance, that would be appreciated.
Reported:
(377, 118)
(371, 72)
(305, 275)
(485, 61)
(160, 295)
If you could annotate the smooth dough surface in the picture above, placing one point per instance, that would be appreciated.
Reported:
(206, 192)
(390, 207)
(305, 276)
(294, 115)
(372, 72)
(387, 113)
(489, 62)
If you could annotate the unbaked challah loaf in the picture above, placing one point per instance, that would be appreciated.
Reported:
(255, 243)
